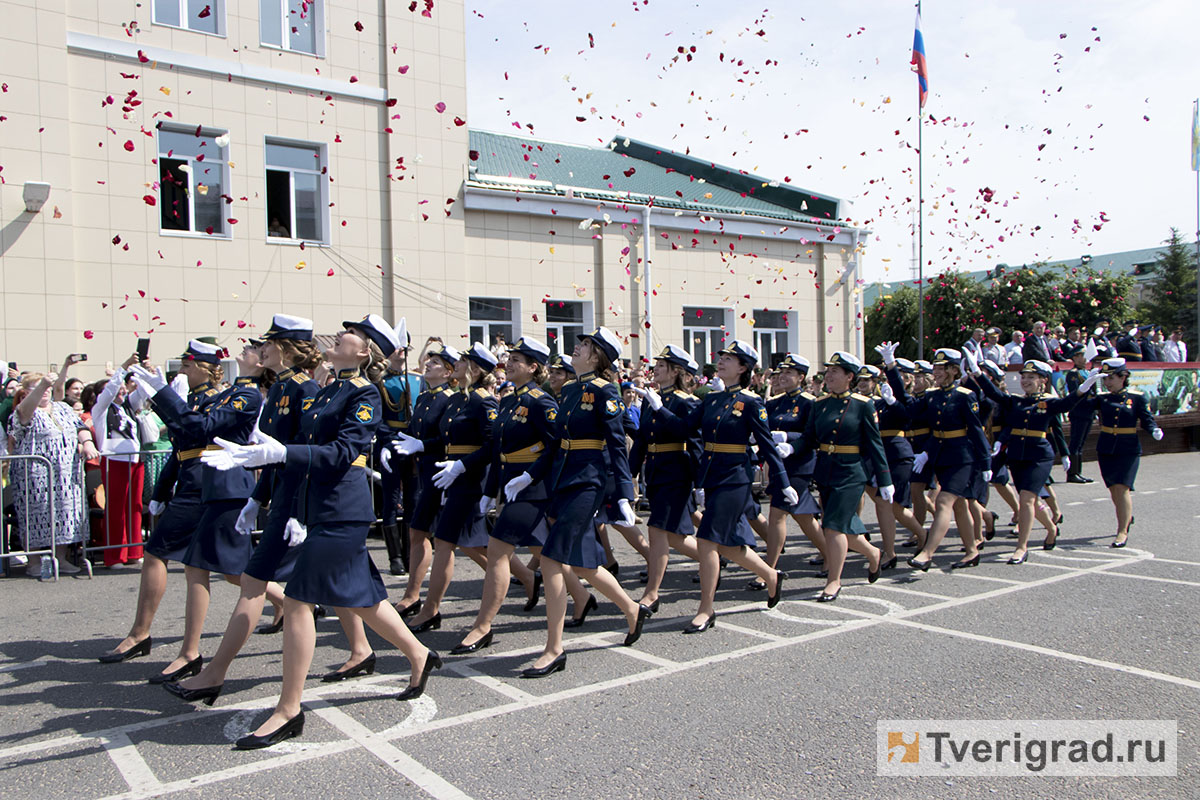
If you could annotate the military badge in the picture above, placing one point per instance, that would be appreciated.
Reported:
(238, 404)
(613, 407)
(762, 414)
(365, 413)
(306, 404)
(551, 414)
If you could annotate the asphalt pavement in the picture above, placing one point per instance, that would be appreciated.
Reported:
(768, 704)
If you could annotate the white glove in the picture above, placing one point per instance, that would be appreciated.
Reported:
(651, 397)
(516, 486)
(784, 449)
(887, 351)
(265, 450)
(385, 458)
(1067, 464)
(888, 493)
(987, 476)
(972, 362)
(887, 394)
(246, 519)
(1157, 433)
(449, 472)
(627, 515)
(486, 504)
(698, 495)
(151, 382)
(920, 461)
(406, 445)
(180, 386)
(157, 508)
(295, 533)
(996, 448)
(1086, 386)
(790, 496)
(778, 436)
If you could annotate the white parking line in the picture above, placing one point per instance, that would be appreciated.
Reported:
(641, 655)
(130, 764)
(511, 692)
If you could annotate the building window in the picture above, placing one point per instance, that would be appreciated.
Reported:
(774, 335)
(494, 316)
(202, 16)
(296, 25)
(564, 323)
(297, 200)
(704, 332)
(193, 179)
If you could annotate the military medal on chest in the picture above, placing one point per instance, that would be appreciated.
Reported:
(737, 408)
(587, 401)
(521, 414)
(284, 405)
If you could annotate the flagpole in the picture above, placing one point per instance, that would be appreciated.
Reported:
(1196, 169)
(921, 229)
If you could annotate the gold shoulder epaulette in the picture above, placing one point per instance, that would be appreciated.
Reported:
(964, 390)
(1133, 391)
(536, 393)
(809, 395)
(598, 382)
(862, 397)
(299, 377)
(750, 393)
(681, 393)
(360, 381)
(482, 393)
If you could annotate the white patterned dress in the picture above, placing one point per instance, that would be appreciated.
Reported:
(52, 433)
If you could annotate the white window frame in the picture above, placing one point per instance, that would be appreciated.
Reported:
(587, 312)
(691, 330)
(793, 338)
(318, 20)
(226, 176)
(513, 322)
(322, 173)
(217, 8)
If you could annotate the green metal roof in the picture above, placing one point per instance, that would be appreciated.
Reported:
(631, 171)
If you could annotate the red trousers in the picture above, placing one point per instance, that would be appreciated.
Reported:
(122, 483)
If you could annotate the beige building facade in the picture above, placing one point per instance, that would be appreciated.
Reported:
(209, 164)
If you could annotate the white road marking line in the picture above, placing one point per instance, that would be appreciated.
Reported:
(23, 665)
(1169, 489)
(1152, 578)
(913, 592)
(496, 685)
(964, 574)
(1147, 492)
(1075, 503)
(404, 764)
(423, 709)
(728, 626)
(1166, 560)
(776, 613)
(1102, 499)
(648, 658)
(130, 764)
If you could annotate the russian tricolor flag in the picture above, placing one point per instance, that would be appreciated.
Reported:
(918, 61)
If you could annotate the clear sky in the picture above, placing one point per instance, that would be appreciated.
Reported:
(1075, 116)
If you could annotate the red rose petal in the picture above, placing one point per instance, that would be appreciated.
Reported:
(149, 199)
(88, 334)
(440, 107)
(129, 145)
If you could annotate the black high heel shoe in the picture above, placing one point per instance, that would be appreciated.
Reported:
(921, 565)
(557, 665)
(293, 727)
(889, 564)
(1021, 560)
(432, 661)
(274, 627)
(653, 606)
(589, 606)
(825, 597)
(989, 531)
(206, 694)
(364, 667)
(142, 648)
(530, 602)
(431, 624)
(773, 599)
(409, 611)
(974, 562)
(186, 671)
(703, 626)
(1050, 544)
(478, 644)
(644, 613)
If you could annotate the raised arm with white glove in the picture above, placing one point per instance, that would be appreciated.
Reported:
(1086, 386)
(150, 382)
(972, 362)
(887, 351)
(651, 397)
(887, 394)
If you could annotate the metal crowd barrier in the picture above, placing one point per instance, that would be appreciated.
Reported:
(98, 484)
(15, 460)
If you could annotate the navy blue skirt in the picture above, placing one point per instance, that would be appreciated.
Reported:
(724, 519)
(671, 507)
(460, 522)
(1030, 476)
(805, 505)
(1118, 470)
(522, 523)
(217, 546)
(572, 537)
(839, 508)
(429, 503)
(334, 568)
(173, 532)
(956, 479)
(273, 559)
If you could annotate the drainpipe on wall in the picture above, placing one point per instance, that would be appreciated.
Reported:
(647, 331)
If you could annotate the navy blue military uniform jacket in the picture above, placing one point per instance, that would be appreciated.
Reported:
(328, 464)
(590, 423)
(1120, 413)
(466, 429)
(728, 421)
(207, 414)
(952, 415)
(425, 425)
(288, 398)
(665, 449)
(1029, 419)
(789, 413)
(524, 438)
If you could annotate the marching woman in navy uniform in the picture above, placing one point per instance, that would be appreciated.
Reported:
(997, 425)
(590, 422)
(179, 496)
(844, 432)
(957, 448)
(918, 437)
(524, 443)
(1081, 415)
(1028, 454)
(466, 430)
(788, 415)
(728, 422)
(423, 444)
(215, 546)
(333, 504)
(1118, 450)
(665, 452)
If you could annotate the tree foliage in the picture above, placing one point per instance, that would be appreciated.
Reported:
(1172, 298)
